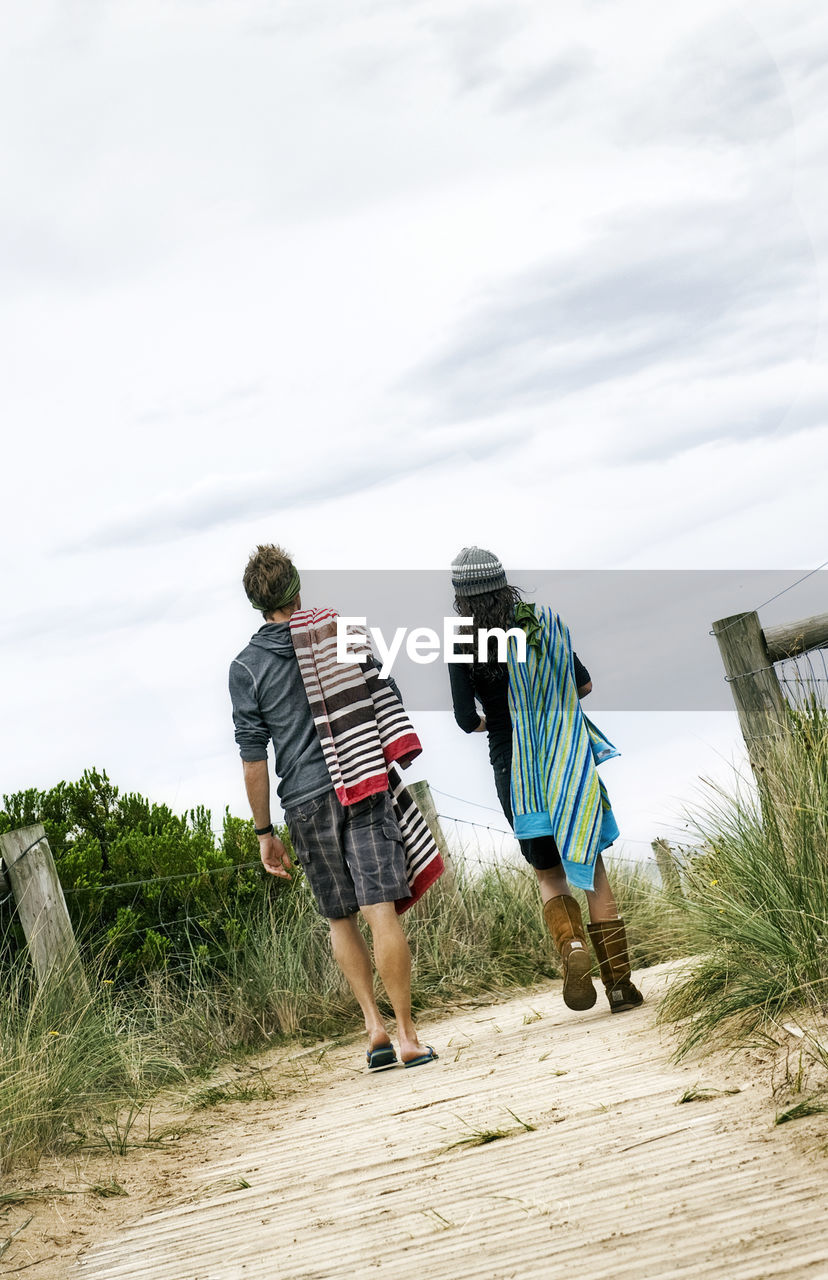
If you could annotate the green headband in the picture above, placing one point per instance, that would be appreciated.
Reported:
(289, 593)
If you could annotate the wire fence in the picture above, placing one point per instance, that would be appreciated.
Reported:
(183, 917)
(475, 844)
(778, 594)
(804, 679)
(179, 875)
(512, 839)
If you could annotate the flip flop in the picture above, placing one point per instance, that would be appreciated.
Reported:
(381, 1058)
(431, 1056)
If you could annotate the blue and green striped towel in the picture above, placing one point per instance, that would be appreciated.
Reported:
(555, 749)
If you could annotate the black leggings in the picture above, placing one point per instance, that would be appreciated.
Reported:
(540, 852)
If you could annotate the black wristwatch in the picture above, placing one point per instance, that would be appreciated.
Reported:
(264, 831)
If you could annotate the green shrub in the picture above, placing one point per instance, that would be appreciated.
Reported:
(191, 889)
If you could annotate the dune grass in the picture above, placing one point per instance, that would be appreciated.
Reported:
(757, 897)
(74, 1066)
(82, 1068)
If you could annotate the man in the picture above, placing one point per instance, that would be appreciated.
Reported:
(352, 854)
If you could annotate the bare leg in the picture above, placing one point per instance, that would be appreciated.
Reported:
(393, 961)
(600, 899)
(353, 958)
(552, 883)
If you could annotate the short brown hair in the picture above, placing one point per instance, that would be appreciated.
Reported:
(267, 577)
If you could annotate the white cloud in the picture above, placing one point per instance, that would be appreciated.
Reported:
(377, 282)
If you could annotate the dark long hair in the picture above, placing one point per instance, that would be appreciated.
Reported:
(488, 609)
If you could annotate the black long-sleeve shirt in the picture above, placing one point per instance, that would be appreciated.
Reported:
(489, 686)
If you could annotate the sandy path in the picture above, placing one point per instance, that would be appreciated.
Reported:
(615, 1180)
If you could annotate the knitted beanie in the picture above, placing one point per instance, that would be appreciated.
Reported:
(474, 571)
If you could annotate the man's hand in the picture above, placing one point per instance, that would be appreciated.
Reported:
(275, 857)
(273, 853)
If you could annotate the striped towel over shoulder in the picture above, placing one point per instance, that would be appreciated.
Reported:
(363, 729)
(555, 785)
(362, 725)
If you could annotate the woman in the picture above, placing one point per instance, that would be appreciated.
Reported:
(543, 752)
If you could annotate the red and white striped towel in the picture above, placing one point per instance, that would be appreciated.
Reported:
(363, 728)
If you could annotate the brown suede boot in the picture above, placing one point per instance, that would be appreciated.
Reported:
(563, 920)
(609, 939)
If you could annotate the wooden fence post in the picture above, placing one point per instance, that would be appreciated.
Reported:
(421, 792)
(759, 700)
(793, 638)
(667, 867)
(41, 906)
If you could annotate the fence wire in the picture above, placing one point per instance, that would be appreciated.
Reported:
(513, 849)
(804, 679)
(783, 592)
(462, 838)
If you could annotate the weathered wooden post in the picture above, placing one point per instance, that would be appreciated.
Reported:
(759, 701)
(793, 638)
(421, 792)
(41, 906)
(667, 868)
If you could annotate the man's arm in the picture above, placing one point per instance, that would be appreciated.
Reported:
(274, 855)
(252, 736)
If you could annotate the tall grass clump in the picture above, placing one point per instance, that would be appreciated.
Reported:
(655, 917)
(757, 896)
(71, 1058)
(275, 982)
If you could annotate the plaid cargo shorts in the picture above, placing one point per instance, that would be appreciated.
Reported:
(352, 854)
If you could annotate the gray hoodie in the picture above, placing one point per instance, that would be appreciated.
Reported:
(270, 704)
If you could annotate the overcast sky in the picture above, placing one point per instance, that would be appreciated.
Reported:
(378, 280)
